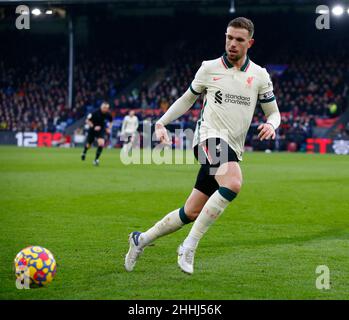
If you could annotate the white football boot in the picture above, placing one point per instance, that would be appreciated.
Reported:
(186, 259)
(134, 251)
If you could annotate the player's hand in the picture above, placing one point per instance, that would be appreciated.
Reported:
(161, 134)
(97, 128)
(266, 131)
(107, 130)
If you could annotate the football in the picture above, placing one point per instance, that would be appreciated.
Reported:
(35, 264)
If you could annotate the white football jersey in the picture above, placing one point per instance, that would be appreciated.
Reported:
(130, 124)
(230, 98)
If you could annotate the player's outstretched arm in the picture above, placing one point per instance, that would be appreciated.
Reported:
(267, 130)
(182, 104)
(177, 109)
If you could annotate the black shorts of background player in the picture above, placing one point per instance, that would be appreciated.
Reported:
(97, 129)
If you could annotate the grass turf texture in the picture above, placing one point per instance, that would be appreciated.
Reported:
(290, 217)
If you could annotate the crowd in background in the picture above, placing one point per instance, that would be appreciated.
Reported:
(309, 85)
(34, 97)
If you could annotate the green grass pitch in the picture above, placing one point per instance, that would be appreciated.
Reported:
(291, 216)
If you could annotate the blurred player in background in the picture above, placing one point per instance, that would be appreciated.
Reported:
(99, 123)
(232, 85)
(128, 130)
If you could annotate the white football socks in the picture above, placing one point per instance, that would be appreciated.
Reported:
(168, 224)
(213, 208)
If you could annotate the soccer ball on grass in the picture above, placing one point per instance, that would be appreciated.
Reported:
(37, 264)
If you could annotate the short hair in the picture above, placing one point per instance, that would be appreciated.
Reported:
(242, 23)
(105, 102)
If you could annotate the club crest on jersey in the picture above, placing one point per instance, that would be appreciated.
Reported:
(249, 82)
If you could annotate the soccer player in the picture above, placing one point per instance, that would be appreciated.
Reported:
(128, 130)
(97, 128)
(231, 85)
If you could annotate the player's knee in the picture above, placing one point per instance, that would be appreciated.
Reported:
(234, 185)
(191, 212)
(101, 143)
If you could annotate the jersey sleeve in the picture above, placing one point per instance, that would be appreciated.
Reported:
(199, 83)
(110, 118)
(265, 93)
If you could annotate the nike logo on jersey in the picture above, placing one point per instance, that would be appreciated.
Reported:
(217, 78)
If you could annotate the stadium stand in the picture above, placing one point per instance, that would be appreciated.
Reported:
(311, 86)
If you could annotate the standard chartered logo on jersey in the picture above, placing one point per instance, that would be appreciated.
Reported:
(232, 98)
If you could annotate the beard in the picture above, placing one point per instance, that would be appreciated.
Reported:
(234, 57)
